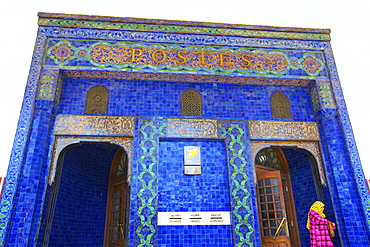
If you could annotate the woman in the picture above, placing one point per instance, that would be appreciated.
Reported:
(318, 226)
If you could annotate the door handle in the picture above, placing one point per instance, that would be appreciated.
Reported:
(279, 228)
(121, 228)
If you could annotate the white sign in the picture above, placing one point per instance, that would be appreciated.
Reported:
(192, 161)
(192, 156)
(194, 218)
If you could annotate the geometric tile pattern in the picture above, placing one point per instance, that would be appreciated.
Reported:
(48, 83)
(50, 19)
(141, 56)
(147, 191)
(240, 194)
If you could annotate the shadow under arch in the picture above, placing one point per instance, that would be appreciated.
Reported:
(76, 202)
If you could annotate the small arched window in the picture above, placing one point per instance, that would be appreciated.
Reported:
(97, 100)
(280, 106)
(191, 103)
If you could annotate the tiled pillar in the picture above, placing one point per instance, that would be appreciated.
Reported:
(24, 222)
(342, 181)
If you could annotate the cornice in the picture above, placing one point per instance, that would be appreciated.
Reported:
(174, 26)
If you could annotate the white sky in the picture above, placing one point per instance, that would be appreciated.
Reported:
(348, 21)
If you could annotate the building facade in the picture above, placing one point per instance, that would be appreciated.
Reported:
(141, 132)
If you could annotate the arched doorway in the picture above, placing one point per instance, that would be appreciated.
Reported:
(278, 224)
(287, 184)
(80, 198)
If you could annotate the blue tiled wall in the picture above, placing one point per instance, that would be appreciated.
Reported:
(342, 183)
(153, 98)
(208, 191)
(79, 217)
(32, 184)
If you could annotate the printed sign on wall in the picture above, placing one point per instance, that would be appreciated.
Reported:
(192, 160)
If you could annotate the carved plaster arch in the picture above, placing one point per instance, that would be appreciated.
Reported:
(61, 142)
(311, 147)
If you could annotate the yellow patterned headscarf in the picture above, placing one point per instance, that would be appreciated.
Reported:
(317, 207)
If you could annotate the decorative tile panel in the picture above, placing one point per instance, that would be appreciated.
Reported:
(283, 130)
(185, 58)
(184, 78)
(48, 83)
(94, 125)
(325, 94)
(200, 128)
(147, 188)
(135, 24)
(240, 194)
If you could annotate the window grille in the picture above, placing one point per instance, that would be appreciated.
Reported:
(97, 100)
(280, 106)
(191, 103)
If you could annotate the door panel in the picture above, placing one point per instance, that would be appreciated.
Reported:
(272, 210)
(116, 217)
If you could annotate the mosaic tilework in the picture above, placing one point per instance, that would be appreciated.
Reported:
(283, 130)
(304, 190)
(341, 180)
(180, 26)
(26, 114)
(348, 135)
(315, 98)
(184, 78)
(208, 191)
(240, 194)
(146, 56)
(158, 98)
(149, 133)
(48, 83)
(20, 139)
(325, 93)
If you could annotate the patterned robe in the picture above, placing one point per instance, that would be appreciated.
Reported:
(319, 233)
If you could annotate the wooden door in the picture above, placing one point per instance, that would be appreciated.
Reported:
(116, 217)
(272, 210)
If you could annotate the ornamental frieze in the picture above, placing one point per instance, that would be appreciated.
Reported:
(185, 78)
(135, 24)
(94, 125)
(283, 130)
(199, 128)
(146, 56)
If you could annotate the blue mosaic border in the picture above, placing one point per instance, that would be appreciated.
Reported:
(21, 137)
(345, 123)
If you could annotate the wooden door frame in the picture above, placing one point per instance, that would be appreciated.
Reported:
(112, 181)
(285, 175)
